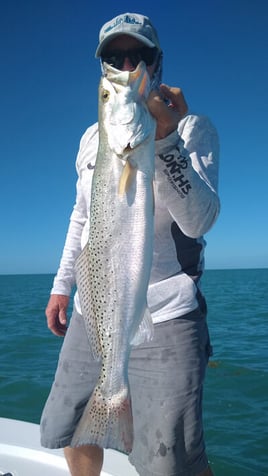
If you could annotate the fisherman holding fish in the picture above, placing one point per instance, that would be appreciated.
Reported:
(132, 366)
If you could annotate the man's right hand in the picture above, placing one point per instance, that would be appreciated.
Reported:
(56, 313)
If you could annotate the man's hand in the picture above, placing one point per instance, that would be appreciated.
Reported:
(56, 313)
(168, 107)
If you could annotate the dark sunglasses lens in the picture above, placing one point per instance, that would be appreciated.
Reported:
(117, 58)
(114, 59)
(134, 57)
(148, 55)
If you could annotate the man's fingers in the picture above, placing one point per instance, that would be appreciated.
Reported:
(62, 316)
(167, 115)
(176, 98)
(56, 321)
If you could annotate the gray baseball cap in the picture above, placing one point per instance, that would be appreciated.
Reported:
(132, 24)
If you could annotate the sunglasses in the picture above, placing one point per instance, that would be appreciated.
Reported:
(116, 58)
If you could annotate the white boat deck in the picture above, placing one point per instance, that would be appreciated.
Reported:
(22, 455)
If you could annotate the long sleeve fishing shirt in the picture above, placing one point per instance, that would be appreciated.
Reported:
(186, 207)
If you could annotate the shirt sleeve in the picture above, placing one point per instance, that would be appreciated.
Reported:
(186, 176)
(65, 277)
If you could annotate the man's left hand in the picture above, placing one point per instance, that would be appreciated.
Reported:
(168, 106)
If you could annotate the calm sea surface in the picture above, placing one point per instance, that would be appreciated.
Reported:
(236, 390)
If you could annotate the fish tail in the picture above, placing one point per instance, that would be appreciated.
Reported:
(106, 422)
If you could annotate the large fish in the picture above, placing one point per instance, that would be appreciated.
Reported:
(113, 269)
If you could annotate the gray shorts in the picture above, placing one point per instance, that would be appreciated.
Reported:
(166, 380)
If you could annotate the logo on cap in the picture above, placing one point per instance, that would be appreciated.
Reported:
(125, 19)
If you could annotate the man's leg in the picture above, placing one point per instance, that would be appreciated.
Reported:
(88, 460)
(166, 377)
(84, 460)
(75, 379)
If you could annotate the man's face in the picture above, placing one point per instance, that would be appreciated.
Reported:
(114, 54)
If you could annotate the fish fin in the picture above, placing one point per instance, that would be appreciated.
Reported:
(145, 330)
(83, 282)
(134, 76)
(126, 178)
(143, 87)
(106, 422)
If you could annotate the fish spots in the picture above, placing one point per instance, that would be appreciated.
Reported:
(105, 415)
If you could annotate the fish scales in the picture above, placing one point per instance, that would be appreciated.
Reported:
(113, 269)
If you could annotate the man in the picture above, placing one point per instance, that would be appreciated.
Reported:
(166, 375)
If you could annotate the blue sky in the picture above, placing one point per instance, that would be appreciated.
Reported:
(216, 51)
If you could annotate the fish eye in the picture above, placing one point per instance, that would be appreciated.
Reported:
(105, 95)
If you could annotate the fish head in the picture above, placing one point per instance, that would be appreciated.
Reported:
(123, 112)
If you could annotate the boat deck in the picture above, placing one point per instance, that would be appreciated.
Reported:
(22, 455)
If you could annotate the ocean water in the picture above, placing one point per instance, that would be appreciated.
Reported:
(236, 389)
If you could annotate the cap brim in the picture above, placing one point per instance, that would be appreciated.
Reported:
(107, 40)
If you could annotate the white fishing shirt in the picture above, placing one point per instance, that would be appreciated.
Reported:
(186, 207)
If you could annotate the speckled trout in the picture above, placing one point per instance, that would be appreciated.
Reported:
(113, 269)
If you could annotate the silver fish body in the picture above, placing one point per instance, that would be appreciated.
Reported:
(113, 269)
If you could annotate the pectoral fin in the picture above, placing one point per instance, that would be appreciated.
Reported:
(126, 178)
